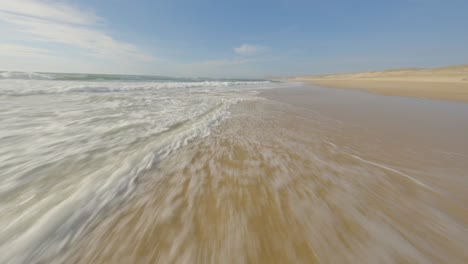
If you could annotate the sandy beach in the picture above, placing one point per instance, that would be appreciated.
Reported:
(447, 83)
(239, 171)
(302, 176)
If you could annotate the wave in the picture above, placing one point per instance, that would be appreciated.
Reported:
(15, 88)
(25, 75)
(18, 75)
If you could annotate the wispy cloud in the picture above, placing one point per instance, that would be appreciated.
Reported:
(247, 49)
(59, 22)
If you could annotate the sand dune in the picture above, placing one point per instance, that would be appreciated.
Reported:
(448, 83)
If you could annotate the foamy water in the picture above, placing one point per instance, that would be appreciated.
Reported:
(281, 185)
(141, 169)
(69, 150)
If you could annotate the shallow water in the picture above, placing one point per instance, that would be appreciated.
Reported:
(217, 174)
(70, 150)
(283, 185)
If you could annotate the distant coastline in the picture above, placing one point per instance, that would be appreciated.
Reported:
(446, 83)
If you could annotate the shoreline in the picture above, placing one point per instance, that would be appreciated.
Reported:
(307, 170)
(448, 83)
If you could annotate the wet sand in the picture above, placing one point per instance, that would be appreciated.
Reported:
(307, 175)
(420, 134)
(447, 83)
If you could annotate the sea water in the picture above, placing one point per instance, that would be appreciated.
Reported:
(72, 145)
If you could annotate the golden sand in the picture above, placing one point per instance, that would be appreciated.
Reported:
(283, 184)
(448, 83)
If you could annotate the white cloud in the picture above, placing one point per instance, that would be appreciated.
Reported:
(59, 22)
(246, 49)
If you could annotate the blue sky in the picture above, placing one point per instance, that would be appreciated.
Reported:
(231, 38)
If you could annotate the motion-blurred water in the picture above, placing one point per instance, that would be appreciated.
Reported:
(73, 145)
(138, 169)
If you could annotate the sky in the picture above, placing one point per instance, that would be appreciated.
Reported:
(251, 39)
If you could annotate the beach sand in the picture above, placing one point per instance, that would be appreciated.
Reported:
(448, 83)
(306, 175)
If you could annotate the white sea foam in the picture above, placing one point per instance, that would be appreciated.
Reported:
(71, 149)
(25, 75)
(22, 87)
